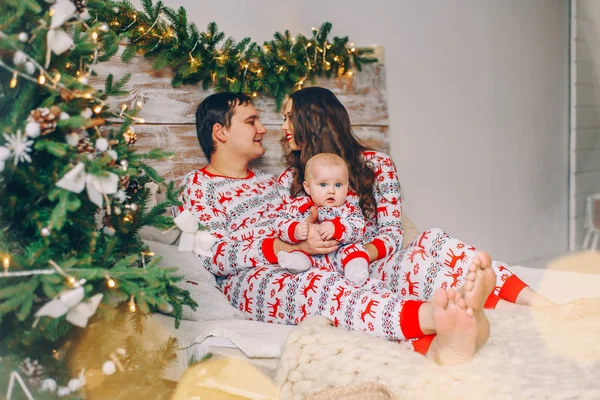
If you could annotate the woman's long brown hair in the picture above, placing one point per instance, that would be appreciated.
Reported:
(321, 125)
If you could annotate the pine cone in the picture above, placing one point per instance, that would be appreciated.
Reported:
(130, 137)
(85, 145)
(32, 370)
(46, 118)
(80, 5)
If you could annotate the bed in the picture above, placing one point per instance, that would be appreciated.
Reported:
(529, 354)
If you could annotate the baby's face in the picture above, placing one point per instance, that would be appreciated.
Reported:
(328, 186)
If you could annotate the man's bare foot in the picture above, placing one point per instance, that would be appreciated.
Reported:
(455, 342)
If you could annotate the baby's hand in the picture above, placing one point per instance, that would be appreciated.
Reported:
(301, 231)
(326, 230)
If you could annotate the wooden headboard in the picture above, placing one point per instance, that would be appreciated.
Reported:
(169, 113)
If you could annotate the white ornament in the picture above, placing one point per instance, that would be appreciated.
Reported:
(23, 37)
(166, 309)
(103, 27)
(59, 41)
(64, 115)
(32, 129)
(133, 207)
(109, 230)
(48, 385)
(84, 80)
(116, 10)
(63, 391)
(193, 239)
(19, 146)
(2, 166)
(70, 302)
(45, 232)
(113, 154)
(4, 153)
(29, 68)
(102, 144)
(109, 368)
(19, 58)
(72, 138)
(76, 179)
(121, 351)
(86, 113)
(75, 384)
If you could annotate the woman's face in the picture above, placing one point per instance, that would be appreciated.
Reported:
(287, 128)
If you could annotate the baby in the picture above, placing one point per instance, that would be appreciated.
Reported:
(339, 217)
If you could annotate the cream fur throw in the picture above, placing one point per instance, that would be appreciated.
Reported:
(529, 355)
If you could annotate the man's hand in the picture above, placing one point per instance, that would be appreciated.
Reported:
(326, 230)
(301, 231)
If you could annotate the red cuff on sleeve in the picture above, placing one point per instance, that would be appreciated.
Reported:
(291, 233)
(511, 289)
(339, 228)
(409, 319)
(422, 344)
(269, 251)
(381, 248)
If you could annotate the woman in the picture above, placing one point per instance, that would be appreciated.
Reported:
(315, 122)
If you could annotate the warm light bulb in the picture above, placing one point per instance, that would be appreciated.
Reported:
(350, 73)
(95, 36)
(57, 77)
(259, 71)
(123, 107)
(13, 81)
(141, 29)
(98, 108)
(87, 96)
(127, 218)
(308, 44)
(71, 280)
(6, 263)
(51, 12)
(110, 282)
(42, 79)
(131, 304)
(254, 94)
(353, 50)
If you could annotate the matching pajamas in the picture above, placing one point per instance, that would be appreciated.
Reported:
(242, 215)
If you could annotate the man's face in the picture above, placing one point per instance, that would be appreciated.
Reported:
(245, 135)
(327, 185)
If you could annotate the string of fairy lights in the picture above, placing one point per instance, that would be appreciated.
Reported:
(276, 68)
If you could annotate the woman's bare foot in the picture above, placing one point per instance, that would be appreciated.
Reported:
(572, 310)
(479, 284)
(455, 342)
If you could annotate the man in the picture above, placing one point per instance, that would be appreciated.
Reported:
(238, 207)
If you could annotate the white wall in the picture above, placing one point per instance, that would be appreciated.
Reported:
(478, 100)
(585, 112)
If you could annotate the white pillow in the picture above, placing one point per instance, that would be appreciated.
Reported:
(202, 285)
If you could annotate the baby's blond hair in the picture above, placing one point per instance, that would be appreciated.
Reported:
(323, 160)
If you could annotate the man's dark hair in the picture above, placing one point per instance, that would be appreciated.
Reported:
(216, 109)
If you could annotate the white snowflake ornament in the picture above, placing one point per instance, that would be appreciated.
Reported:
(19, 146)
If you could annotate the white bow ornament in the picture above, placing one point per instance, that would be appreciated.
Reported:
(58, 40)
(192, 238)
(76, 179)
(70, 303)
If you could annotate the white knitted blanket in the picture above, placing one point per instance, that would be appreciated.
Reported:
(529, 356)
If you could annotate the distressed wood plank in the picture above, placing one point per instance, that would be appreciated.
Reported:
(364, 94)
(182, 140)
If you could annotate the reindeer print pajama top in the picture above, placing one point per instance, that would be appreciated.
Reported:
(241, 214)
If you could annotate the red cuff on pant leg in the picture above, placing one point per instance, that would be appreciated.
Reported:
(381, 248)
(409, 319)
(491, 301)
(421, 345)
(354, 255)
(511, 288)
(268, 251)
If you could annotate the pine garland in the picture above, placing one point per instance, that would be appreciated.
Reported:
(277, 68)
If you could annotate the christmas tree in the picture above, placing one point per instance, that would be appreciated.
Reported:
(77, 278)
